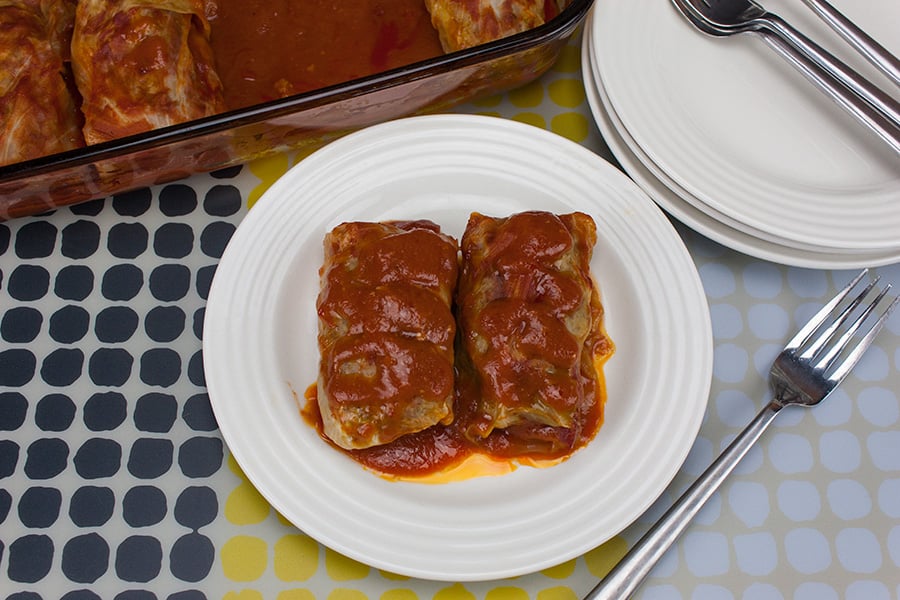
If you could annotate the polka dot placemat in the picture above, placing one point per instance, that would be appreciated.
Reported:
(115, 483)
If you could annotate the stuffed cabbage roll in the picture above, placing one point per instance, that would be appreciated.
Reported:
(465, 23)
(531, 331)
(38, 113)
(386, 331)
(60, 17)
(143, 64)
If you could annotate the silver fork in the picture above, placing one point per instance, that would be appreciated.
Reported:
(870, 105)
(809, 368)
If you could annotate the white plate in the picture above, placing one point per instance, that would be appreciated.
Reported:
(737, 128)
(676, 201)
(725, 219)
(259, 348)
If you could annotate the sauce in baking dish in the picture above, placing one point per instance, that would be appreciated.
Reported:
(268, 49)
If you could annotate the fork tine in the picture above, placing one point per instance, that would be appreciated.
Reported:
(853, 357)
(838, 347)
(820, 317)
(837, 322)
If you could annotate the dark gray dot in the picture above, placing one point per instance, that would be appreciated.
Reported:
(21, 324)
(74, 282)
(155, 412)
(69, 324)
(98, 457)
(164, 323)
(30, 558)
(173, 240)
(39, 507)
(122, 282)
(135, 595)
(88, 209)
(17, 367)
(200, 456)
(28, 282)
(80, 595)
(9, 456)
(222, 200)
(198, 413)
(227, 172)
(54, 412)
(196, 507)
(143, 506)
(139, 559)
(191, 557)
(195, 369)
(85, 558)
(160, 366)
(177, 200)
(62, 367)
(104, 411)
(132, 204)
(36, 240)
(13, 407)
(46, 458)
(199, 316)
(110, 366)
(5, 504)
(215, 237)
(204, 280)
(187, 595)
(5, 236)
(150, 457)
(169, 283)
(80, 239)
(115, 324)
(91, 506)
(127, 240)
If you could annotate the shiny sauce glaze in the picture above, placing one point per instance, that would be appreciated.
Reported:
(530, 324)
(442, 447)
(386, 330)
(268, 49)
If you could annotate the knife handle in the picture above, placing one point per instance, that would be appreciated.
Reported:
(877, 54)
(840, 93)
(860, 86)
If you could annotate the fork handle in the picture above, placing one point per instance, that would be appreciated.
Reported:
(861, 86)
(840, 94)
(626, 576)
(877, 54)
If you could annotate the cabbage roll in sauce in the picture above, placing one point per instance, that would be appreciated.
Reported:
(143, 64)
(465, 23)
(386, 331)
(38, 112)
(532, 337)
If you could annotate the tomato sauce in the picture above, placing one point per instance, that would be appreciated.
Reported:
(268, 49)
(442, 447)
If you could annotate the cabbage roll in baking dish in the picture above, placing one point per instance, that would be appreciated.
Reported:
(531, 331)
(386, 331)
(465, 23)
(143, 64)
(38, 113)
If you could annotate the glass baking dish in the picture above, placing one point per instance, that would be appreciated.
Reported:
(305, 120)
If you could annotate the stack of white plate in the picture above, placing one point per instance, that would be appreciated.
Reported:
(729, 139)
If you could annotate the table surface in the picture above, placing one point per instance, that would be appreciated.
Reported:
(115, 482)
